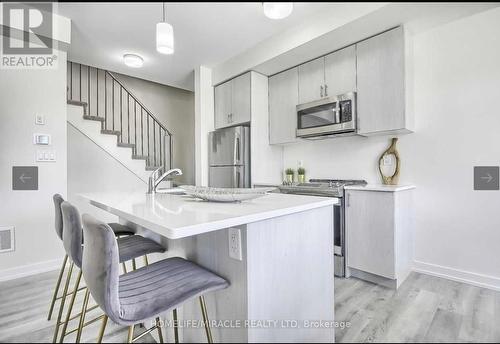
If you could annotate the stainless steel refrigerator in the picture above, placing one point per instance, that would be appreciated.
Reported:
(229, 158)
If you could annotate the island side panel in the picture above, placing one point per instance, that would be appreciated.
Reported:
(290, 276)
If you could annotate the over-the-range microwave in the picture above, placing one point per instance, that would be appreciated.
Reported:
(326, 117)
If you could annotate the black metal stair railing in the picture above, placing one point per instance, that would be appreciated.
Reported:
(107, 100)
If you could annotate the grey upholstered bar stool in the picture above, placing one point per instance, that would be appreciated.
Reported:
(142, 294)
(119, 229)
(130, 247)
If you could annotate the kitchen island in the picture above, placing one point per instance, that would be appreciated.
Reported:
(276, 251)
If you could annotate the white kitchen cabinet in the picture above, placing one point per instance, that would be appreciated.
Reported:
(312, 80)
(283, 99)
(232, 102)
(340, 71)
(240, 99)
(381, 81)
(222, 104)
(379, 233)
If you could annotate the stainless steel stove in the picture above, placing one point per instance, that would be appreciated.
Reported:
(329, 188)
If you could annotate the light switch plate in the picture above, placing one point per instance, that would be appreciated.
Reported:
(39, 119)
(45, 155)
(235, 243)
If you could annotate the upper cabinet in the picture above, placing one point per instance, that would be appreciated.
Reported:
(232, 102)
(283, 99)
(381, 97)
(340, 72)
(312, 80)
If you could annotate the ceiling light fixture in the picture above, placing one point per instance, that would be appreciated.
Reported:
(277, 10)
(164, 36)
(133, 60)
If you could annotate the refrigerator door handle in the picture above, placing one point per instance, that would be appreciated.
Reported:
(236, 177)
(237, 148)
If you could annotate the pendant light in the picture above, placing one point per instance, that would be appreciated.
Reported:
(164, 36)
(277, 10)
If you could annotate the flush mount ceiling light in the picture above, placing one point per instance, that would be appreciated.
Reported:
(277, 10)
(133, 60)
(164, 36)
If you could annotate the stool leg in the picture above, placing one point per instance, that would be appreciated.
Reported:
(124, 268)
(146, 260)
(103, 327)
(158, 327)
(63, 300)
(134, 267)
(82, 316)
(176, 329)
(58, 284)
(130, 337)
(70, 306)
(205, 319)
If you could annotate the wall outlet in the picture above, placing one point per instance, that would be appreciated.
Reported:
(46, 156)
(235, 244)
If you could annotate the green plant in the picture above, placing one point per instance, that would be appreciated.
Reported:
(290, 171)
(301, 171)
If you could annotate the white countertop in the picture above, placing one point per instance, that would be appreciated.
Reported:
(179, 216)
(380, 187)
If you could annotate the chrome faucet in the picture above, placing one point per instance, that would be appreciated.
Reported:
(155, 178)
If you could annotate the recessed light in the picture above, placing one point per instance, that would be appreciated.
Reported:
(277, 10)
(133, 60)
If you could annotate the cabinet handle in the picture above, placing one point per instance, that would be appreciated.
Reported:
(321, 91)
(326, 90)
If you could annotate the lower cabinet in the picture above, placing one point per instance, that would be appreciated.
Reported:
(379, 234)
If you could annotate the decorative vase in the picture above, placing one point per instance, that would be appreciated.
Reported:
(301, 178)
(289, 178)
(392, 150)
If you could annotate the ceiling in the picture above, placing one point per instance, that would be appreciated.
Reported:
(205, 34)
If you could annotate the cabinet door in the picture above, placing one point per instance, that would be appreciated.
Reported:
(340, 72)
(283, 99)
(311, 80)
(370, 232)
(381, 85)
(222, 105)
(240, 108)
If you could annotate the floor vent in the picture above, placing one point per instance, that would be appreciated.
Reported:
(6, 239)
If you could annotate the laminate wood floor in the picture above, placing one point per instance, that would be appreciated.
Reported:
(424, 309)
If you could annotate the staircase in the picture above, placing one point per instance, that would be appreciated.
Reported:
(101, 98)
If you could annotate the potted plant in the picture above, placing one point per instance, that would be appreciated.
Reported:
(301, 175)
(289, 172)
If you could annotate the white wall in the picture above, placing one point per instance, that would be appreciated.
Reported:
(91, 169)
(457, 92)
(23, 93)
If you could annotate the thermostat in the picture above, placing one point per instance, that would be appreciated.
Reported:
(41, 139)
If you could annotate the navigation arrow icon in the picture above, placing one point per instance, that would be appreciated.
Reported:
(23, 178)
(488, 178)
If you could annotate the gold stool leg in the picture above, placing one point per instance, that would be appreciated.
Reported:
(130, 337)
(63, 300)
(82, 316)
(176, 329)
(205, 319)
(70, 307)
(158, 327)
(58, 284)
(103, 327)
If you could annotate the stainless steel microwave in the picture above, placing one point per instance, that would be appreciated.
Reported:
(330, 116)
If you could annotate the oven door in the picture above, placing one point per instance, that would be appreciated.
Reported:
(327, 116)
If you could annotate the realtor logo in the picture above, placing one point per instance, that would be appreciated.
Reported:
(27, 35)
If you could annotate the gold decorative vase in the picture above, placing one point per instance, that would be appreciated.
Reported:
(392, 150)
(301, 178)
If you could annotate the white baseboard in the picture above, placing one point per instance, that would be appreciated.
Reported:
(479, 280)
(29, 270)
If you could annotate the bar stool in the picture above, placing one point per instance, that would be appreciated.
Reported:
(130, 247)
(142, 294)
(118, 229)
